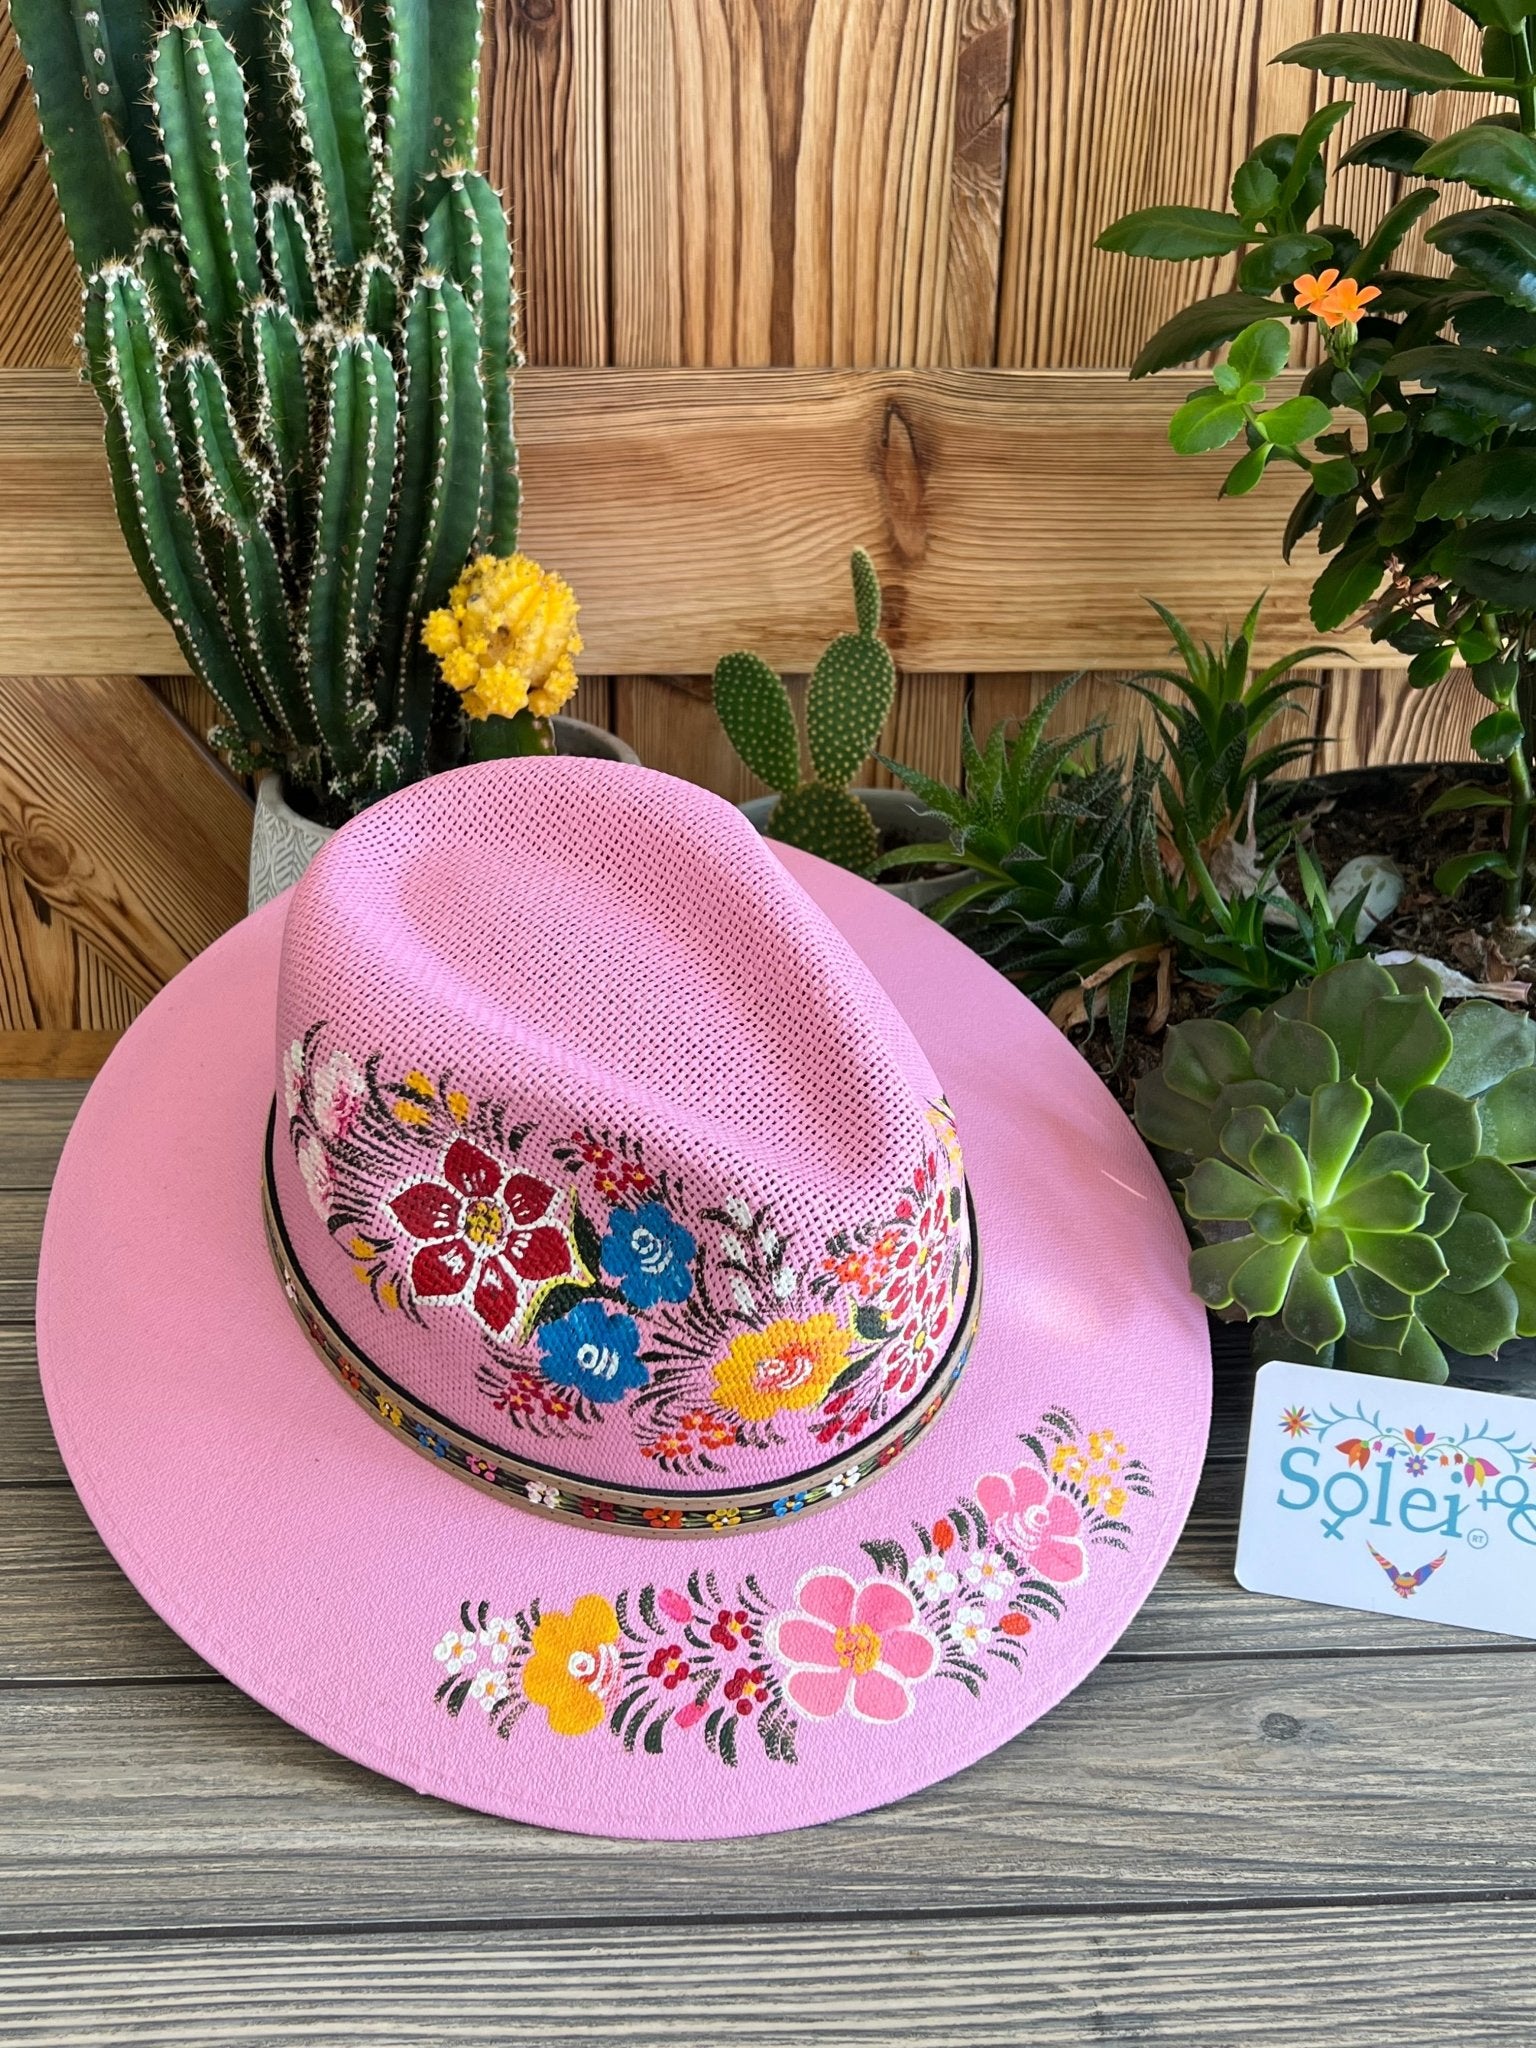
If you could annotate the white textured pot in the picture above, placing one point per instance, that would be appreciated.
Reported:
(901, 819)
(283, 844)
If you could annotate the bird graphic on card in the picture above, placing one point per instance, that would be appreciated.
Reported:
(1406, 1584)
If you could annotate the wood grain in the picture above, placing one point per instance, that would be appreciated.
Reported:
(39, 294)
(997, 504)
(1052, 1980)
(21, 1237)
(35, 1116)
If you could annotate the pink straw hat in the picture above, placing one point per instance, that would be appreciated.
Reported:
(617, 1324)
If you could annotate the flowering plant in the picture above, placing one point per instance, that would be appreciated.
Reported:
(1423, 495)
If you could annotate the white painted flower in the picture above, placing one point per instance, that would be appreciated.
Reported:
(732, 1248)
(986, 1571)
(739, 1212)
(767, 1240)
(500, 1637)
(785, 1281)
(970, 1629)
(455, 1650)
(339, 1093)
(543, 1496)
(293, 1076)
(930, 1577)
(844, 1479)
(317, 1175)
(488, 1687)
(742, 1295)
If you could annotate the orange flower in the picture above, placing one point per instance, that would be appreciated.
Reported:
(1332, 298)
(1311, 291)
(573, 1671)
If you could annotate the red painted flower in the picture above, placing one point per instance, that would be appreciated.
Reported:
(747, 1688)
(733, 1626)
(497, 1240)
(670, 1666)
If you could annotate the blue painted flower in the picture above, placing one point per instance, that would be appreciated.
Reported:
(431, 1441)
(594, 1351)
(791, 1504)
(648, 1252)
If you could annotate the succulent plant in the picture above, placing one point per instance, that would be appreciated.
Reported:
(299, 321)
(1253, 948)
(1360, 1165)
(846, 706)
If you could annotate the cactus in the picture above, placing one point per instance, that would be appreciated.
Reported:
(300, 322)
(1360, 1165)
(846, 706)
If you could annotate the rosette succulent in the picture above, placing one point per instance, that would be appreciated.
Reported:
(1359, 1166)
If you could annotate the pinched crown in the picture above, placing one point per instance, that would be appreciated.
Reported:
(597, 1141)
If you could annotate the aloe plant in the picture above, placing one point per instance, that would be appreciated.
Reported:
(1360, 1165)
(846, 706)
(299, 321)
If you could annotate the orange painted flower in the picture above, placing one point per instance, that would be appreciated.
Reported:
(788, 1365)
(573, 1670)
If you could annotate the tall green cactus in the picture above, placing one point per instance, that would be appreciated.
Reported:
(847, 704)
(300, 322)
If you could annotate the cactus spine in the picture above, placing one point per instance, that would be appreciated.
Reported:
(300, 321)
(847, 704)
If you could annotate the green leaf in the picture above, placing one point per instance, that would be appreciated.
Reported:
(1337, 1001)
(1387, 149)
(1279, 258)
(1446, 1122)
(1509, 1118)
(1339, 1114)
(1345, 586)
(1405, 1044)
(1521, 1276)
(1309, 147)
(1496, 737)
(1389, 1152)
(1499, 483)
(1497, 13)
(1488, 1041)
(1493, 385)
(1394, 225)
(1498, 1192)
(1174, 1122)
(1218, 1193)
(1213, 1269)
(1196, 329)
(1280, 1161)
(1429, 668)
(1444, 1206)
(1294, 1055)
(1420, 1359)
(1204, 1057)
(1500, 162)
(1475, 1251)
(1208, 420)
(1478, 1323)
(1403, 1259)
(1298, 419)
(1452, 875)
(1174, 234)
(1390, 1202)
(1496, 245)
(1329, 1251)
(1255, 188)
(1246, 472)
(1333, 479)
(1259, 1284)
(1312, 1314)
(1468, 796)
(1243, 1130)
(1261, 351)
(753, 705)
(1391, 61)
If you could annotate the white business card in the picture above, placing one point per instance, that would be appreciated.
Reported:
(1391, 1496)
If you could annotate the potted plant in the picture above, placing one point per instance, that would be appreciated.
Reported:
(299, 320)
(1413, 436)
(847, 704)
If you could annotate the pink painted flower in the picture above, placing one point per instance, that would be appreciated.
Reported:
(317, 1175)
(339, 1093)
(850, 1645)
(497, 1240)
(1038, 1524)
(690, 1715)
(674, 1605)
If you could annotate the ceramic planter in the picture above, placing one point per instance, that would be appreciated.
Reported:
(901, 820)
(283, 844)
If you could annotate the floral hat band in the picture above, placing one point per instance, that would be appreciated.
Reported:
(554, 1490)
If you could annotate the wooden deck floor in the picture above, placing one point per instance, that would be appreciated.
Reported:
(1256, 1823)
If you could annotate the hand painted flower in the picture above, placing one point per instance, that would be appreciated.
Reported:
(649, 1253)
(293, 1076)
(1038, 1524)
(455, 1650)
(970, 1630)
(500, 1637)
(340, 1095)
(930, 1578)
(489, 1687)
(788, 1365)
(594, 1350)
(988, 1575)
(317, 1175)
(495, 1240)
(573, 1669)
(851, 1645)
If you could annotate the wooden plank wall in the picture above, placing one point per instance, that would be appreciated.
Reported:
(714, 184)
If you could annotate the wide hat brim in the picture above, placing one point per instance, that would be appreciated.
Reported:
(326, 1568)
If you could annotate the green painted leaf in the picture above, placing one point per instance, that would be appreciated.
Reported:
(1298, 419)
(1446, 1122)
(1500, 162)
(1196, 330)
(1509, 1118)
(1405, 1044)
(1218, 1193)
(1204, 1056)
(1488, 1041)
(1476, 1323)
(1404, 1259)
(1475, 1251)
(1294, 1055)
(1174, 234)
(1391, 61)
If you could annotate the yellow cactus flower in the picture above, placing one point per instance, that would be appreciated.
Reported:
(507, 638)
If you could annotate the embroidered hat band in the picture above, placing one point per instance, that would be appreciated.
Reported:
(566, 1496)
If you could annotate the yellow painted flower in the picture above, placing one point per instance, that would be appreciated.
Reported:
(391, 1414)
(724, 1518)
(788, 1365)
(573, 1668)
(507, 638)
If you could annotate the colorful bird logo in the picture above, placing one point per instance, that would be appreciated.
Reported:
(1406, 1584)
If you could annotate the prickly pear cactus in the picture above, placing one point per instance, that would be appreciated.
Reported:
(1361, 1168)
(300, 321)
(846, 706)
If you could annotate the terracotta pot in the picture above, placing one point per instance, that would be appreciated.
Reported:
(902, 820)
(283, 843)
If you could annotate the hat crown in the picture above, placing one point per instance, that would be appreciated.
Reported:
(597, 1139)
